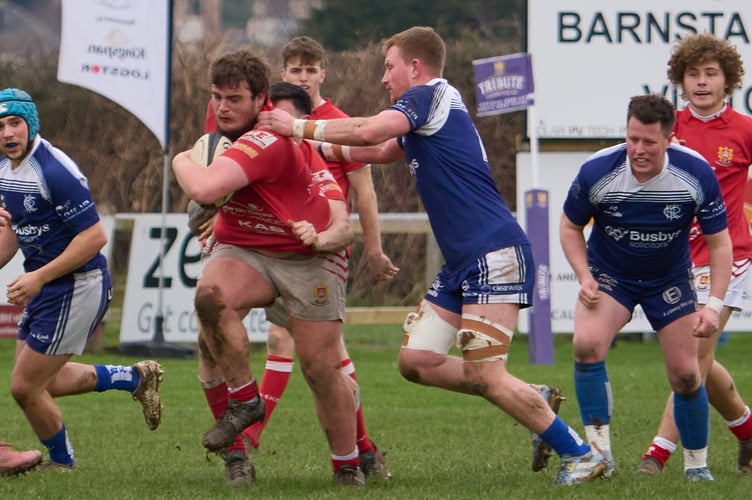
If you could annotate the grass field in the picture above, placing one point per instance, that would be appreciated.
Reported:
(439, 445)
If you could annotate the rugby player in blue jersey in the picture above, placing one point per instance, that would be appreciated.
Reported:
(489, 274)
(47, 213)
(643, 196)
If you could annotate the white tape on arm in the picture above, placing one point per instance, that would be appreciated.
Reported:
(715, 304)
(318, 132)
(298, 127)
(334, 152)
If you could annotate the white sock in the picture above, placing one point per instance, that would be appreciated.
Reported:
(694, 459)
(599, 437)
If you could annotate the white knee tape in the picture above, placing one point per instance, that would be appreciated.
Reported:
(482, 340)
(426, 331)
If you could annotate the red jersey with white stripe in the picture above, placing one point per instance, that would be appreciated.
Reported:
(328, 111)
(726, 143)
(281, 187)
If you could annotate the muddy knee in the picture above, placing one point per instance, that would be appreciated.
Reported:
(208, 303)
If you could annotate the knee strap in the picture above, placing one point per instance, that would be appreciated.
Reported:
(480, 339)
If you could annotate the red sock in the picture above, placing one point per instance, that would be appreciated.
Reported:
(246, 393)
(743, 431)
(273, 383)
(217, 399)
(361, 436)
(658, 453)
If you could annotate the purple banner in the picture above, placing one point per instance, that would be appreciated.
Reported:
(503, 84)
(540, 339)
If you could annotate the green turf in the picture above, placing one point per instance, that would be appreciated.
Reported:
(438, 444)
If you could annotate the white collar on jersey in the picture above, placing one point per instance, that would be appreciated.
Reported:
(708, 117)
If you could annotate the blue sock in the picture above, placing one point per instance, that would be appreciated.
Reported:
(60, 448)
(563, 439)
(691, 415)
(593, 392)
(123, 378)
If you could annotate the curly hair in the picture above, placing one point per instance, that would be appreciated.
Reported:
(702, 48)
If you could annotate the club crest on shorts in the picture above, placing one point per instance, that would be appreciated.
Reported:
(320, 295)
(703, 281)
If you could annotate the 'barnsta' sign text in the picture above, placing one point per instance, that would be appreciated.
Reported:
(648, 27)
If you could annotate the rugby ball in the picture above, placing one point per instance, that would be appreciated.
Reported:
(205, 149)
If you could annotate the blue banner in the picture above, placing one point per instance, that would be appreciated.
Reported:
(503, 84)
(540, 339)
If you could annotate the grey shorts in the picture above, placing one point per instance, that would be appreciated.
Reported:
(312, 287)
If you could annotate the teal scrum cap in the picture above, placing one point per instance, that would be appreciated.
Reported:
(18, 103)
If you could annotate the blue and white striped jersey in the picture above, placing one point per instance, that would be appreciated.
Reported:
(50, 203)
(642, 229)
(448, 160)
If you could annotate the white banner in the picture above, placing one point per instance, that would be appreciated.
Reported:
(556, 173)
(181, 269)
(120, 49)
(590, 57)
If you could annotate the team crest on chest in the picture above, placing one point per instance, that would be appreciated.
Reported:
(29, 203)
(725, 156)
(672, 212)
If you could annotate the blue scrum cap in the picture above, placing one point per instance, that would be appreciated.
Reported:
(18, 103)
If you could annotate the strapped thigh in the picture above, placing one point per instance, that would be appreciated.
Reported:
(426, 331)
(480, 339)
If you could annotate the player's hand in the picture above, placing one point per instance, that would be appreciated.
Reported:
(305, 232)
(277, 120)
(198, 217)
(706, 322)
(205, 238)
(589, 294)
(23, 288)
(381, 267)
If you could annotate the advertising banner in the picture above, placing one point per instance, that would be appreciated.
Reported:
(591, 56)
(119, 50)
(503, 84)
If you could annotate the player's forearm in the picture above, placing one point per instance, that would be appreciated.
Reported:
(721, 260)
(338, 236)
(350, 131)
(369, 222)
(575, 249)
(82, 248)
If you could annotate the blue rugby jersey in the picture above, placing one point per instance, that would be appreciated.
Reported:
(446, 156)
(50, 203)
(642, 230)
